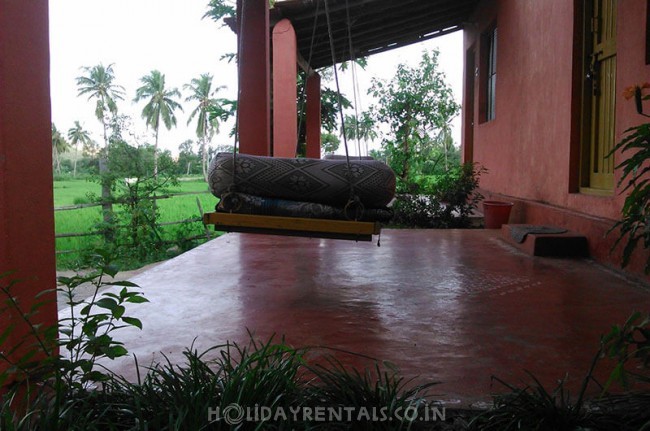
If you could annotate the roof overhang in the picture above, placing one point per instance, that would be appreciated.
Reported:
(376, 25)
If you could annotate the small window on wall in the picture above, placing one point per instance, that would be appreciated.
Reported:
(488, 80)
(490, 109)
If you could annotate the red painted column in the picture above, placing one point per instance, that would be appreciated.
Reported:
(285, 110)
(26, 201)
(313, 116)
(254, 78)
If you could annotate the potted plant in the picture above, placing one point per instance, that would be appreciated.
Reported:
(634, 227)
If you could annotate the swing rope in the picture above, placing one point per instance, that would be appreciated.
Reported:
(227, 216)
(230, 198)
(354, 77)
(353, 202)
(354, 208)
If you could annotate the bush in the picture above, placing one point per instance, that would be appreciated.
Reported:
(534, 407)
(80, 200)
(448, 204)
(634, 226)
(62, 176)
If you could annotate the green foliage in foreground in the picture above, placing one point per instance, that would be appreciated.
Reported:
(207, 392)
(634, 226)
(67, 354)
(534, 407)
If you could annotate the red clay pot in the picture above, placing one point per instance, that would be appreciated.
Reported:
(496, 213)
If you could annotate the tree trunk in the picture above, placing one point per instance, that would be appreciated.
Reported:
(155, 157)
(155, 174)
(107, 205)
(57, 161)
(76, 156)
(204, 159)
(407, 158)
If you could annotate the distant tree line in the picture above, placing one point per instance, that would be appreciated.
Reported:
(161, 104)
(411, 119)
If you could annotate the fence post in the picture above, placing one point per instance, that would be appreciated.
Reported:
(207, 230)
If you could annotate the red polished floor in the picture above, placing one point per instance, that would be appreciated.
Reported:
(455, 306)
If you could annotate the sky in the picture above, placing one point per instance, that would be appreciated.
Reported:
(138, 36)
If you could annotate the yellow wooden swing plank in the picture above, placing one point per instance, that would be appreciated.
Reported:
(293, 226)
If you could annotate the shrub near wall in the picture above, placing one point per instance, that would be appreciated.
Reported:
(448, 203)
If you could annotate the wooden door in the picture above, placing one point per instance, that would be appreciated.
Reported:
(601, 90)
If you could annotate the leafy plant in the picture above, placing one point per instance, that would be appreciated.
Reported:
(448, 204)
(218, 10)
(629, 343)
(135, 233)
(140, 240)
(635, 222)
(87, 334)
(50, 375)
(32, 356)
(417, 105)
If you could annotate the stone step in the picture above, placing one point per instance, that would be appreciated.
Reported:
(566, 244)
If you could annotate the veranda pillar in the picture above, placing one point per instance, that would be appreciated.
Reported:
(26, 199)
(254, 77)
(285, 113)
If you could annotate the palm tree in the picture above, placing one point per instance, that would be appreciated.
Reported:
(446, 141)
(202, 92)
(77, 135)
(98, 83)
(160, 105)
(360, 128)
(59, 145)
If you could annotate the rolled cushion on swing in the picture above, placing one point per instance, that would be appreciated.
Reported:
(303, 180)
(242, 203)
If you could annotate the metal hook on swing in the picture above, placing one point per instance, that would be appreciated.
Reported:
(231, 201)
(355, 205)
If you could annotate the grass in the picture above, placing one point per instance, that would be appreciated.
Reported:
(211, 388)
(177, 208)
(66, 191)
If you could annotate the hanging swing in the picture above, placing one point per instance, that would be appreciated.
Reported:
(337, 199)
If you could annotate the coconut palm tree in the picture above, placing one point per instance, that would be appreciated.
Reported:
(77, 135)
(202, 92)
(98, 84)
(360, 128)
(59, 145)
(160, 105)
